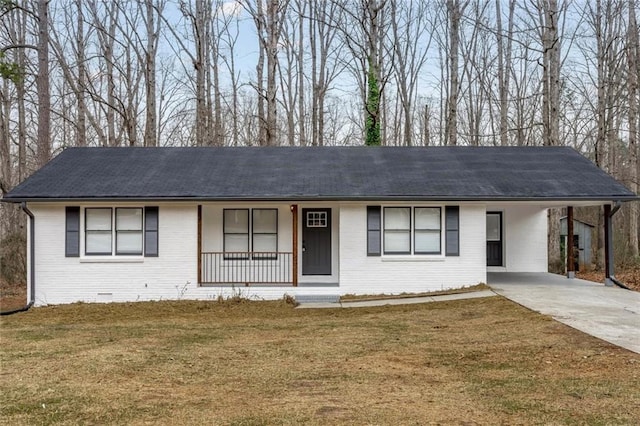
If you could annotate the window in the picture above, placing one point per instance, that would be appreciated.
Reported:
(248, 231)
(427, 230)
(133, 230)
(97, 231)
(316, 219)
(397, 230)
(265, 233)
(129, 231)
(407, 230)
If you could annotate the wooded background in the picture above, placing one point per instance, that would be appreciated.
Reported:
(321, 72)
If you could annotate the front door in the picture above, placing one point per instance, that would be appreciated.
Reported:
(316, 241)
(494, 239)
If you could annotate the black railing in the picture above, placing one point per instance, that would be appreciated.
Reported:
(246, 268)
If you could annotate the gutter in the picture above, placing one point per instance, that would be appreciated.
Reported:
(611, 276)
(32, 264)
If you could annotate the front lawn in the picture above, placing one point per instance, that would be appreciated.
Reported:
(482, 361)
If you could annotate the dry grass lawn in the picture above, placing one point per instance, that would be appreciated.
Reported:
(483, 361)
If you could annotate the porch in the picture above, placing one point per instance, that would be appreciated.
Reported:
(267, 244)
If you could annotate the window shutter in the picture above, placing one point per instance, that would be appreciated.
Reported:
(373, 231)
(151, 231)
(452, 220)
(72, 231)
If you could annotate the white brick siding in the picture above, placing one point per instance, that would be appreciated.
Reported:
(525, 228)
(362, 274)
(61, 279)
(173, 274)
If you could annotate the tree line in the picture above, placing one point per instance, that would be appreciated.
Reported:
(312, 73)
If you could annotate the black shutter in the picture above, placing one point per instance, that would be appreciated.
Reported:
(452, 225)
(373, 231)
(151, 231)
(72, 232)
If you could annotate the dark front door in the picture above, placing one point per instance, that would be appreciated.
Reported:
(494, 239)
(316, 241)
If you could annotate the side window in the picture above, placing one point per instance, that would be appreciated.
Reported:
(264, 231)
(125, 231)
(236, 233)
(97, 225)
(397, 230)
(427, 230)
(129, 231)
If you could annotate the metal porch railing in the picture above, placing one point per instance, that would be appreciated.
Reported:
(246, 268)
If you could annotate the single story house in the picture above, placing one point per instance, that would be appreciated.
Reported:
(133, 224)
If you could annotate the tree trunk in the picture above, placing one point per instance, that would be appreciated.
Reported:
(632, 83)
(151, 116)
(551, 73)
(81, 125)
(273, 37)
(302, 6)
(455, 11)
(259, 20)
(504, 67)
(43, 151)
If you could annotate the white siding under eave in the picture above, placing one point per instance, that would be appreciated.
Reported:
(61, 279)
(524, 237)
(362, 274)
(525, 230)
(170, 276)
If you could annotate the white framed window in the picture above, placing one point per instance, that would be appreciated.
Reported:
(250, 231)
(412, 230)
(98, 234)
(129, 231)
(236, 232)
(397, 230)
(427, 230)
(264, 233)
(316, 219)
(123, 231)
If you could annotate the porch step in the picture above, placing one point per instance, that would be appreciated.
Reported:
(317, 298)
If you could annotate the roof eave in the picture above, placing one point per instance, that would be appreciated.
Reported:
(600, 199)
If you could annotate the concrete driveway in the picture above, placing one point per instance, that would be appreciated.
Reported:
(609, 313)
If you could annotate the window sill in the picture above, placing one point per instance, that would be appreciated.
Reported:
(416, 258)
(112, 259)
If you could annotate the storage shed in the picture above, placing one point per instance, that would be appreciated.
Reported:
(582, 232)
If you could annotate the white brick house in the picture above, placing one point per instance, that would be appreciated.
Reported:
(132, 224)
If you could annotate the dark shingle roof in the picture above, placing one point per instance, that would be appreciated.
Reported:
(324, 173)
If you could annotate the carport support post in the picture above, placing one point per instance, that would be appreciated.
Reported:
(571, 272)
(608, 246)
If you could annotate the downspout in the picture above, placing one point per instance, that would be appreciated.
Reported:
(609, 273)
(32, 263)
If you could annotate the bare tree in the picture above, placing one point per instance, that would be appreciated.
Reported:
(325, 48)
(153, 28)
(42, 83)
(632, 83)
(455, 10)
(411, 42)
(504, 65)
